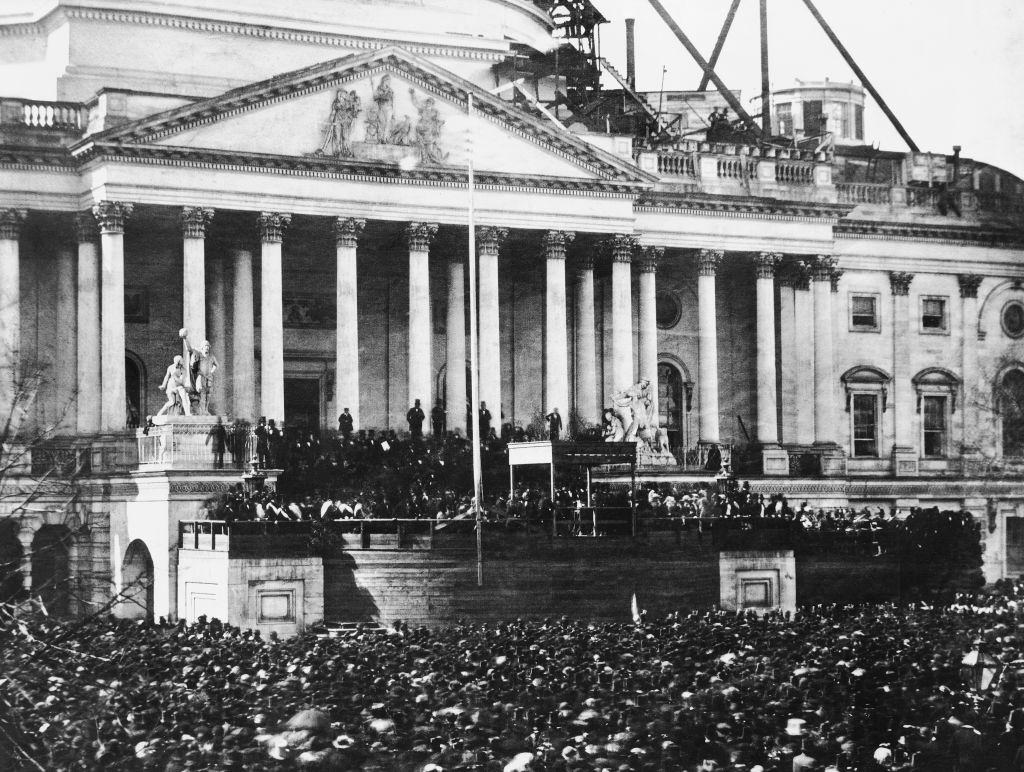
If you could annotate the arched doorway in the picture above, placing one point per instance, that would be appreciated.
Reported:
(673, 405)
(10, 561)
(1011, 412)
(137, 582)
(134, 381)
(50, 573)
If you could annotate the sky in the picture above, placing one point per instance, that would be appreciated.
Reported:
(951, 70)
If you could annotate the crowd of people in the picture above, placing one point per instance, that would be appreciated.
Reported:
(879, 687)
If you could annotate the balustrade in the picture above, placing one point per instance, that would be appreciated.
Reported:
(863, 193)
(57, 116)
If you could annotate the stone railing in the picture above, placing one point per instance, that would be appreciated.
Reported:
(186, 443)
(47, 116)
(863, 193)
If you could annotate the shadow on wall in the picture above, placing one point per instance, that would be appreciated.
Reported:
(344, 599)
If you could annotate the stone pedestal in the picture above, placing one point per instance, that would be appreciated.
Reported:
(757, 581)
(833, 461)
(775, 461)
(904, 462)
(181, 443)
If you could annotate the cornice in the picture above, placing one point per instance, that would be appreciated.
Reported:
(242, 29)
(350, 169)
(939, 234)
(28, 158)
(741, 208)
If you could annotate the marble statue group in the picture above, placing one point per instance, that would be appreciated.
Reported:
(631, 418)
(189, 379)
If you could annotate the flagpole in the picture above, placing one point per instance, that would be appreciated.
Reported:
(474, 351)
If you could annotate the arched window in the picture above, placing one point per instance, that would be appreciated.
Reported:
(1011, 411)
(135, 393)
(673, 404)
(936, 403)
(867, 398)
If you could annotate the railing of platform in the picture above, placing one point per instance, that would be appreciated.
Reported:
(57, 116)
(863, 193)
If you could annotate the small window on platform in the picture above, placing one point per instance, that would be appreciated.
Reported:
(784, 118)
(933, 315)
(864, 312)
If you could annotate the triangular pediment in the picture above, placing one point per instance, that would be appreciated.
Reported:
(387, 109)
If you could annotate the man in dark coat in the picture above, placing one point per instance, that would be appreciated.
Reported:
(415, 417)
(438, 419)
(345, 423)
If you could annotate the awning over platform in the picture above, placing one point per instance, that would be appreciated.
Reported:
(571, 453)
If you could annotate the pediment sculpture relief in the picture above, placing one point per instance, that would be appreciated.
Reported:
(385, 133)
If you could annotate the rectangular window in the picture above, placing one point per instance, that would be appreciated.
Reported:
(934, 424)
(844, 120)
(865, 425)
(784, 118)
(933, 314)
(814, 121)
(864, 312)
(858, 121)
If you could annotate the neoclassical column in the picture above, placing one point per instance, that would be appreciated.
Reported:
(488, 242)
(767, 399)
(66, 350)
(622, 311)
(824, 388)
(969, 284)
(111, 215)
(11, 221)
(271, 226)
(216, 332)
(455, 330)
(707, 344)
(903, 402)
(556, 348)
(648, 365)
(194, 220)
(586, 341)
(88, 325)
(346, 349)
(803, 342)
(420, 338)
(243, 337)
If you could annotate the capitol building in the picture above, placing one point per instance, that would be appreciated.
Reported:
(291, 182)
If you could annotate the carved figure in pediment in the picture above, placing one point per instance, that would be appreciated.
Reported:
(428, 130)
(401, 131)
(338, 133)
(380, 115)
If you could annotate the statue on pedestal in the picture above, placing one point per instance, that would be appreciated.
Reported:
(202, 365)
(173, 385)
(631, 418)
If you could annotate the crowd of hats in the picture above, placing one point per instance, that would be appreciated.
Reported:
(855, 688)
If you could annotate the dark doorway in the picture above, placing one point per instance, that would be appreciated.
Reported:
(133, 381)
(302, 404)
(10, 562)
(50, 574)
(136, 600)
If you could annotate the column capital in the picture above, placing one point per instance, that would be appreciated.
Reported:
(194, 220)
(822, 267)
(347, 231)
(969, 283)
(419, 235)
(622, 246)
(488, 239)
(112, 215)
(795, 273)
(585, 262)
(11, 221)
(766, 263)
(272, 226)
(649, 259)
(85, 227)
(899, 282)
(708, 261)
(556, 242)
(837, 274)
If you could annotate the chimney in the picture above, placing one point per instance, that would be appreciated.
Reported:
(630, 53)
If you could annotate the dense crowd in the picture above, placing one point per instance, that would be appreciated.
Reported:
(879, 687)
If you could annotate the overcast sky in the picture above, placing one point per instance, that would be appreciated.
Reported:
(951, 70)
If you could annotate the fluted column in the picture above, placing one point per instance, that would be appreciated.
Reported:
(420, 338)
(194, 220)
(455, 382)
(767, 400)
(88, 327)
(346, 351)
(216, 333)
(707, 344)
(66, 351)
(622, 312)
(824, 388)
(648, 365)
(111, 216)
(488, 242)
(11, 221)
(556, 348)
(243, 337)
(969, 284)
(586, 341)
(903, 402)
(271, 226)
